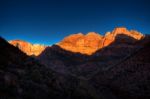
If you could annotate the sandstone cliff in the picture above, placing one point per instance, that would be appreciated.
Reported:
(92, 41)
(28, 48)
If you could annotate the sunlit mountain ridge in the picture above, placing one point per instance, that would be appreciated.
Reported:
(84, 44)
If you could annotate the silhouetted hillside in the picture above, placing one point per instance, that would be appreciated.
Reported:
(23, 77)
(130, 78)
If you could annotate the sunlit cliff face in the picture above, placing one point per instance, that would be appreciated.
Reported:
(91, 42)
(29, 49)
(80, 43)
(122, 30)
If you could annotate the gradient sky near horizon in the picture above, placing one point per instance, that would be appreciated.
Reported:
(49, 21)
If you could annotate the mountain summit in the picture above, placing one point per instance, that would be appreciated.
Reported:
(84, 44)
(131, 33)
(92, 41)
(28, 48)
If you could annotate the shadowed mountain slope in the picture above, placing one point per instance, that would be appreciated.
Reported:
(119, 70)
(23, 77)
(130, 78)
(91, 42)
(85, 66)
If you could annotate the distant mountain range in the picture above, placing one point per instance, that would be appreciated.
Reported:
(84, 44)
(91, 66)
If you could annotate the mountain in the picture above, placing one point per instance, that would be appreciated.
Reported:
(130, 78)
(91, 42)
(84, 55)
(80, 43)
(28, 48)
(85, 44)
(24, 77)
(91, 66)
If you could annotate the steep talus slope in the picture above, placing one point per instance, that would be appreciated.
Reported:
(28, 48)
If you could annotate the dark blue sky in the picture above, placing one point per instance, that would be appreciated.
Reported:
(49, 21)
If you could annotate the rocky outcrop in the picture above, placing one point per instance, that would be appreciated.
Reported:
(80, 43)
(28, 48)
(91, 42)
(85, 44)
(132, 33)
(110, 37)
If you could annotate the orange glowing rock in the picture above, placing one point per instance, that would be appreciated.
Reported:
(91, 42)
(84, 44)
(28, 48)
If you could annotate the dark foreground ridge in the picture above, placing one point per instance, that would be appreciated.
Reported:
(120, 70)
(23, 77)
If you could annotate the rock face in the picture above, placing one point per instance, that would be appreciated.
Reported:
(79, 43)
(85, 44)
(28, 48)
(122, 30)
(91, 42)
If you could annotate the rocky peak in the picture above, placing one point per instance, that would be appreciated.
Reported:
(92, 41)
(137, 35)
(72, 38)
(85, 44)
(107, 33)
(122, 30)
(93, 35)
(28, 48)
(19, 42)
